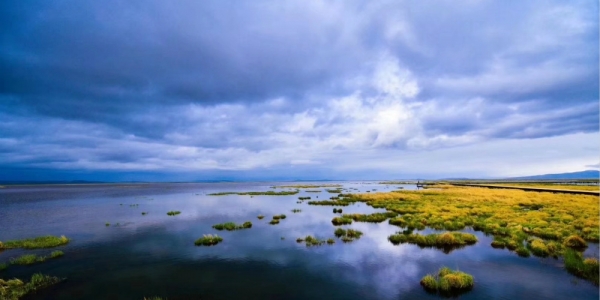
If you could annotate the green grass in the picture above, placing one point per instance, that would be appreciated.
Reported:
(334, 191)
(446, 241)
(296, 210)
(48, 241)
(14, 289)
(372, 218)
(277, 217)
(580, 267)
(337, 221)
(311, 241)
(267, 193)
(173, 213)
(274, 222)
(29, 259)
(260, 217)
(347, 235)
(448, 281)
(208, 240)
(230, 226)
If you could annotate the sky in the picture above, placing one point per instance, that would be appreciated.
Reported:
(282, 90)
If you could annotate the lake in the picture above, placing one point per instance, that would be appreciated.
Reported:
(148, 255)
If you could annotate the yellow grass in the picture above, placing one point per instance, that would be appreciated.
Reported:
(512, 216)
(555, 186)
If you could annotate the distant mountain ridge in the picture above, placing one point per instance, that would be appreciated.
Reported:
(589, 174)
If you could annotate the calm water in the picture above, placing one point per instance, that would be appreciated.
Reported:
(154, 255)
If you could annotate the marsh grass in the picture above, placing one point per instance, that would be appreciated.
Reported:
(311, 241)
(144, 213)
(512, 217)
(260, 217)
(303, 198)
(448, 282)
(230, 226)
(173, 213)
(267, 193)
(29, 259)
(337, 221)
(296, 210)
(274, 222)
(107, 224)
(446, 241)
(279, 217)
(308, 186)
(208, 240)
(313, 191)
(337, 211)
(334, 191)
(15, 288)
(580, 267)
(48, 241)
(347, 235)
(372, 218)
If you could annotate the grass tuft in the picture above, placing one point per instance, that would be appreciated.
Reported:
(15, 288)
(208, 240)
(48, 241)
(446, 241)
(584, 268)
(173, 213)
(337, 221)
(230, 226)
(448, 281)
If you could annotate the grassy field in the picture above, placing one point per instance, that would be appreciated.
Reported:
(538, 223)
(574, 187)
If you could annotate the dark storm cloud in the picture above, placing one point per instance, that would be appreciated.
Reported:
(223, 85)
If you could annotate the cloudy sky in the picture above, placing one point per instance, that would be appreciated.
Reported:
(261, 90)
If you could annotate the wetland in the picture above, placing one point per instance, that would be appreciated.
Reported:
(57, 242)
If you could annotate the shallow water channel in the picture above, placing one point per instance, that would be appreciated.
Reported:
(140, 256)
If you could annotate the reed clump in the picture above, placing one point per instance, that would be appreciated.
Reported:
(580, 267)
(16, 289)
(48, 241)
(337, 221)
(29, 259)
(173, 213)
(447, 241)
(348, 235)
(372, 218)
(230, 226)
(448, 281)
(208, 240)
(278, 217)
(311, 241)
